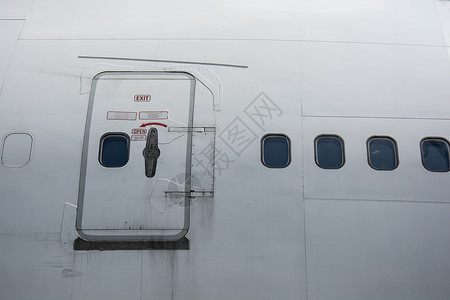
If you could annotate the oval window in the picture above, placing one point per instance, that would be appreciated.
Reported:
(275, 151)
(435, 154)
(17, 148)
(382, 153)
(114, 150)
(329, 151)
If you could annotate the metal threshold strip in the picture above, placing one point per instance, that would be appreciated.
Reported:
(82, 245)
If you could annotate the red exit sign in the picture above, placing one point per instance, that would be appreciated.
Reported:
(142, 98)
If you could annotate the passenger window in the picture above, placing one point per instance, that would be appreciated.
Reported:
(275, 151)
(114, 150)
(382, 153)
(435, 154)
(329, 151)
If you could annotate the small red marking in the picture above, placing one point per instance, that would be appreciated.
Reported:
(138, 138)
(154, 123)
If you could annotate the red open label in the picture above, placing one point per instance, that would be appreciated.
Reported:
(139, 131)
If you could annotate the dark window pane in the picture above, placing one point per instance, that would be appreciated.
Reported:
(435, 155)
(276, 151)
(382, 153)
(114, 150)
(329, 152)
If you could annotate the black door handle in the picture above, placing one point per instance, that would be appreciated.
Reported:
(151, 153)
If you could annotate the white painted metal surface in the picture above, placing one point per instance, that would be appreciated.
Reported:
(300, 68)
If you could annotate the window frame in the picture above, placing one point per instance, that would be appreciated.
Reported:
(289, 149)
(100, 151)
(4, 144)
(316, 154)
(397, 159)
(421, 151)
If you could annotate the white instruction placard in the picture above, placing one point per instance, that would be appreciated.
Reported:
(121, 115)
(154, 115)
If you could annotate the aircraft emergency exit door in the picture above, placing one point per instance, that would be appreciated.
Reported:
(137, 144)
